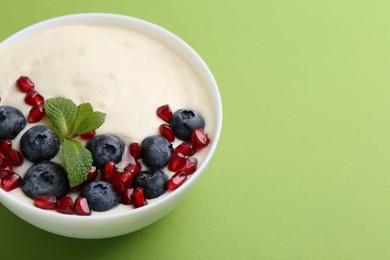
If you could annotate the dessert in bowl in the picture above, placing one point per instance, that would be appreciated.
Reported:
(128, 69)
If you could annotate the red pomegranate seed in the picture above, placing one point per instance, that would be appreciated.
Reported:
(165, 113)
(199, 138)
(92, 174)
(25, 84)
(33, 98)
(166, 131)
(5, 170)
(88, 135)
(14, 157)
(36, 113)
(81, 207)
(65, 205)
(11, 181)
(135, 150)
(138, 198)
(176, 181)
(122, 181)
(133, 168)
(190, 165)
(186, 148)
(176, 161)
(2, 160)
(5, 145)
(109, 171)
(126, 196)
(45, 201)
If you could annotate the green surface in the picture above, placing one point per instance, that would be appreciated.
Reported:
(302, 170)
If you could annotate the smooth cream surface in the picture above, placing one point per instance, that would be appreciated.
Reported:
(121, 72)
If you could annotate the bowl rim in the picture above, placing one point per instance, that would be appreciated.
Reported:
(99, 18)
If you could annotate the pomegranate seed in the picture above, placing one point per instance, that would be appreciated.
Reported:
(5, 145)
(133, 168)
(166, 131)
(65, 205)
(199, 138)
(14, 157)
(88, 135)
(109, 171)
(122, 181)
(126, 196)
(5, 170)
(176, 161)
(176, 181)
(138, 198)
(186, 148)
(2, 159)
(135, 150)
(165, 113)
(189, 166)
(11, 181)
(81, 207)
(92, 174)
(45, 201)
(33, 98)
(25, 84)
(36, 113)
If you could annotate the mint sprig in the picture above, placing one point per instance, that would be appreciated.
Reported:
(68, 121)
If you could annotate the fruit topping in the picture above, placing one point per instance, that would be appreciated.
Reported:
(108, 171)
(184, 121)
(5, 144)
(126, 196)
(88, 135)
(46, 178)
(105, 148)
(186, 148)
(45, 201)
(39, 143)
(176, 161)
(153, 183)
(65, 205)
(138, 198)
(156, 151)
(165, 113)
(11, 181)
(122, 181)
(12, 122)
(36, 113)
(189, 166)
(199, 138)
(14, 157)
(176, 181)
(81, 207)
(25, 84)
(100, 195)
(135, 150)
(166, 131)
(133, 167)
(33, 98)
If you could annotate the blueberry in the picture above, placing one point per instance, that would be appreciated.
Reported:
(39, 143)
(155, 151)
(152, 182)
(184, 121)
(105, 148)
(100, 195)
(12, 122)
(46, 178)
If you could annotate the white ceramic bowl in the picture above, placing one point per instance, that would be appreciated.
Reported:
(134, 219)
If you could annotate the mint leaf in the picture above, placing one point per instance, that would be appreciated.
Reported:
(87, 120)
(78, 161)
(61, 113)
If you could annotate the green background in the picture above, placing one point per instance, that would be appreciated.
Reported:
(302, 170)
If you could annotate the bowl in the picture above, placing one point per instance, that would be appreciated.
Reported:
(110, 225)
